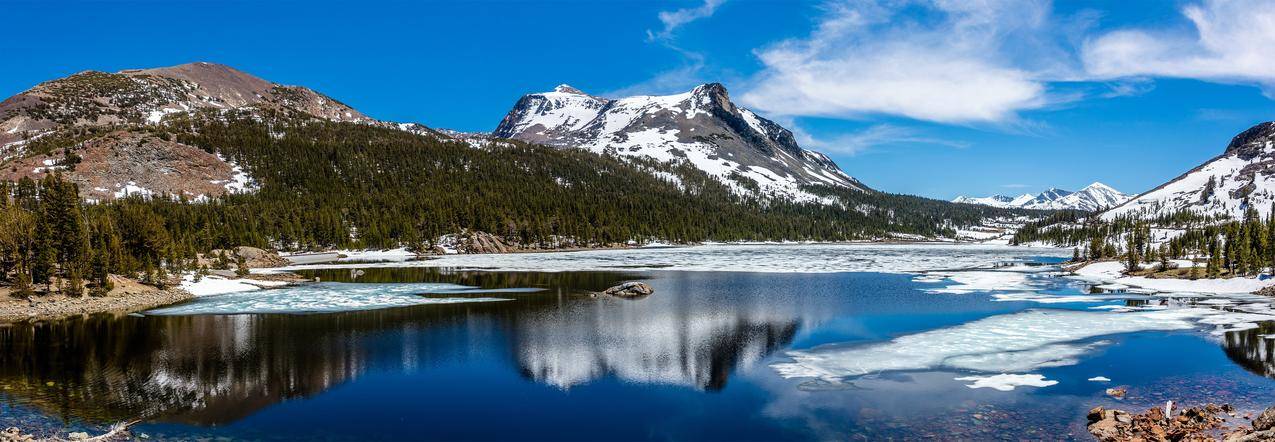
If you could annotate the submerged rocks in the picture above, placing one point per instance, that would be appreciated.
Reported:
(1265, 421)
(12, 434)
(1117, 392)
(630, 290)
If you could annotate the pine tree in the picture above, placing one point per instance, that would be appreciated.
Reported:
(1214, 265)
(1131, 254)
(241, 266)
(100, 275)
(1095, 246)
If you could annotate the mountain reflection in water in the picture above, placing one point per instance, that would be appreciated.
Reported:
(216, 369)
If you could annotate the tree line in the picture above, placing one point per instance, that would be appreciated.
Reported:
(322, 185)
(1227, 247)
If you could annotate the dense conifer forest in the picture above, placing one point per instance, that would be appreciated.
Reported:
(322, 184)
(1228, 247)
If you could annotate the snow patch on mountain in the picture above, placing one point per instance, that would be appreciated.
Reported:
(1228, 185)
(701, 127)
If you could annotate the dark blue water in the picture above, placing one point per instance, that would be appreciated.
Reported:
(692, 362)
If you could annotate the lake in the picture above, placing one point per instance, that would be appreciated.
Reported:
(738, 343)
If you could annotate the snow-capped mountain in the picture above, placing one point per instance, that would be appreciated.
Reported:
(1241, 177)
(1093, 197)
(701, 127)
(996, 200)
(1096, 196)
(1046, 199)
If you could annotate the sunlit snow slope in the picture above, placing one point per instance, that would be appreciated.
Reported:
(701, 127)
(1227, 185)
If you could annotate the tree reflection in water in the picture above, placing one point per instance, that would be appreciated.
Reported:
(216, 369)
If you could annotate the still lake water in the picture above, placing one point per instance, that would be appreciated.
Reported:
(710, 356)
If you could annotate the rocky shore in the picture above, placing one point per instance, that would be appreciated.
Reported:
(1207, 422)
(127, 297)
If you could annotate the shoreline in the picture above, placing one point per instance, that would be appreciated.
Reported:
(1111, 272)
(58, 307)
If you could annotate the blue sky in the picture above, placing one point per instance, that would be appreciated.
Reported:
(931, 97)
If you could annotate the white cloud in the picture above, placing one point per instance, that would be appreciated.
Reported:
(675, 19)
(878, 135)
(1227, 41)
(957, 61)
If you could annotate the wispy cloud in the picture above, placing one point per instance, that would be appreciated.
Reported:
(690, 73)
(671, 81)
(1227, 41)
(869, 138)
(954, 62)
(676, 19)
(1016, 186)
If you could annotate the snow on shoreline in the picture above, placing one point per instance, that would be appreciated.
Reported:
(1109, 272)
(216, 285)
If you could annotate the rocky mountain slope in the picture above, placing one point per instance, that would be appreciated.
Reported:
(107, 115)
(701, 127)
(1243, 176)
(1093, 197)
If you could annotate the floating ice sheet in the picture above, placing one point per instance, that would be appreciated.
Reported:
(1015, 342)
(986, 281)
(1043, 298)
(1007, 382)
(216, 285)
(329, 297)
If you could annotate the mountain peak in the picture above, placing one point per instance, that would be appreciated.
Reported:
(710, 88)
(1093, 197)
(1253, 141)
(1098, 186)
(567, 89)
(743, 150)
(142, 96)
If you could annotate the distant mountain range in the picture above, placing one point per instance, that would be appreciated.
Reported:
(1242, 177)
(701, 127)
(1096, 196)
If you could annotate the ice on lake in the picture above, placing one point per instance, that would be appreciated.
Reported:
(1015, 342)
(770, 258)
(334, 297)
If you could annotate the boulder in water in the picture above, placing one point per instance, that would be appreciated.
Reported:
(630, 290)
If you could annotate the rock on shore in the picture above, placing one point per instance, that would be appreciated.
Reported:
(1207, 422)
(255, 258)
